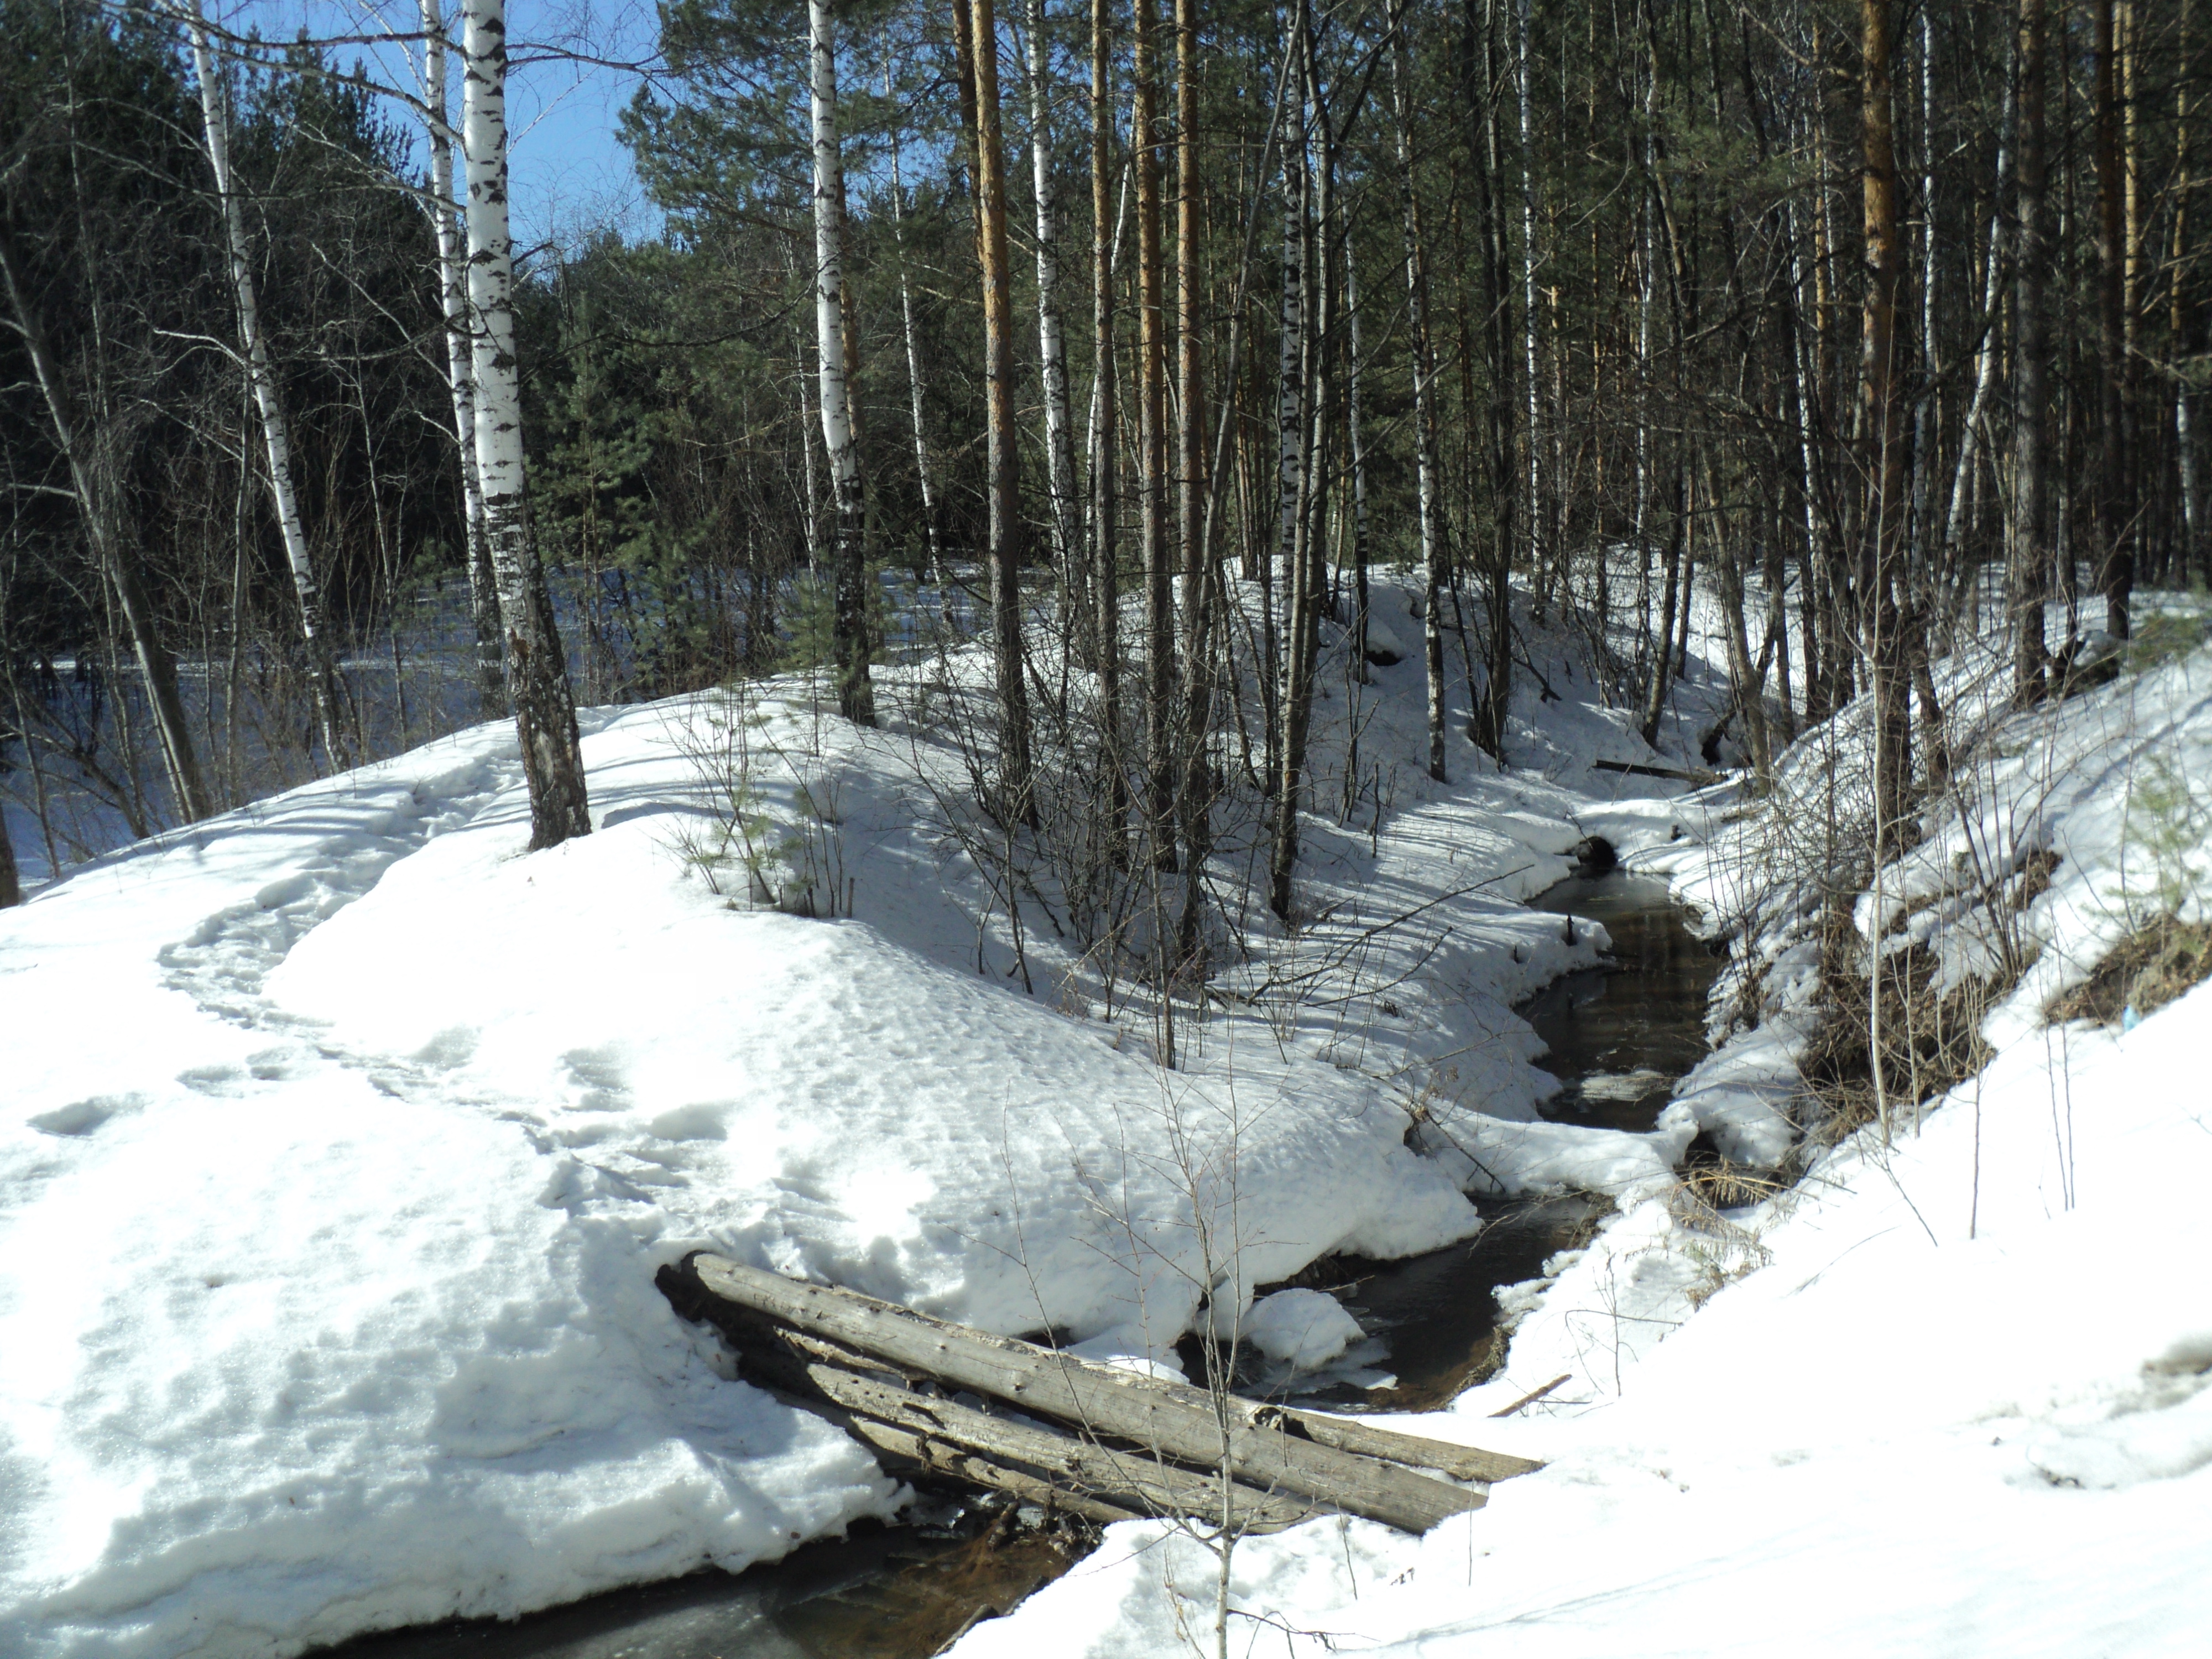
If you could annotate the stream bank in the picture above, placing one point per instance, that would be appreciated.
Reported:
(1617, 1037)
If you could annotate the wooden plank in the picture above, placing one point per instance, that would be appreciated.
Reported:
(1130, 1483)
(1461, 1462)
(1177, 1422)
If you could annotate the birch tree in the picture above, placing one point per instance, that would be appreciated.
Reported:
(454, 303)
(537, 670)
(1424, 376)
(1153, 445)
(1052, 346)
(269, 403)
(856, 698)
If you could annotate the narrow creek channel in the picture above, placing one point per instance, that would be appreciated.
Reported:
(1618, 1037)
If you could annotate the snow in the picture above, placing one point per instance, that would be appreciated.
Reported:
(1950, 1394)
(1301, 1328)
(343, 1141)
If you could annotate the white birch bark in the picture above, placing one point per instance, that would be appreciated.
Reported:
(855, 693)
(1533, 480)
(537, 671)
(275, 432)
(1060, 457)
(1985, 359)
(1425, 431)
(453, 304)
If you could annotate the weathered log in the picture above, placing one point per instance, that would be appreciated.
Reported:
(944, 1435)
(1365, 1440)
(1169, 1421)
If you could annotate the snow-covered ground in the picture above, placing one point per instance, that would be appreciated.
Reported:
(1947, 1396)
(343, 1141)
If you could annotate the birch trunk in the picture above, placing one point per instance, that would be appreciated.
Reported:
(1425, 375)
(1198, 577)
(1160, 771)
(1985, 359)
(1356, 433)
(537, 670)
(1533, 510)
(453, 300)
(856, 696)
(2027, 559)
(1052, 344)
(1105, 583)
(1019, 799)
(1296, 694)
(322, 668)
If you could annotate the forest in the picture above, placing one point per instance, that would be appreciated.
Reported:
(1883, 322)
(1160, 828)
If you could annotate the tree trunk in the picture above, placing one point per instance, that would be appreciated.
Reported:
(1882, 410)
(2028, 557)
(1105, 579)
(1052, 347)
(848, 558)
(1356, 435)
(11, 886)
(2116, 501)
(1424, 376)
(454, 303)
(537, 670)
(275, 431)
(1018, 801)
(1296, 567)
(1191, 494)
(1486, 723)
(1160, 768)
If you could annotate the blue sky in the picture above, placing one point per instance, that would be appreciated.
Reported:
(570, 169)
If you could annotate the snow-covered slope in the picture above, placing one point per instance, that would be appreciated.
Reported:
(1950, 1395)
(343, 1141)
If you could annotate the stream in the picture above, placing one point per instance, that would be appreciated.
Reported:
(1619, 1036)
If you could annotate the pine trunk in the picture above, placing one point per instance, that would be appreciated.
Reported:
(1018, 801)
(1883, 426)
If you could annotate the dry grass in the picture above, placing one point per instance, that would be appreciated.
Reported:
(1930, 1043)
(2144, 971)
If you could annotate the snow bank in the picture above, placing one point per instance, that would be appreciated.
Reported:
(1950, 1395)
(344, 1141)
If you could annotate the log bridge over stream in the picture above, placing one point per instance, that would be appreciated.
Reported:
(1066, 1433)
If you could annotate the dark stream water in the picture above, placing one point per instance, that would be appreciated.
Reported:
(1619, 1036)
